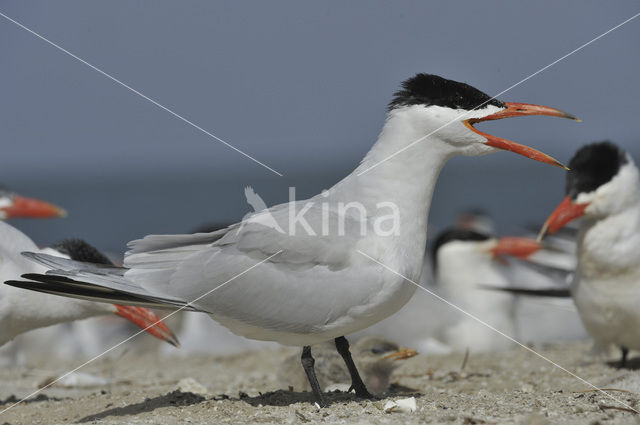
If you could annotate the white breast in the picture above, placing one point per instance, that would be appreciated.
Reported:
(606, 288)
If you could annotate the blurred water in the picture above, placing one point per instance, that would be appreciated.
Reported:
(109, 211)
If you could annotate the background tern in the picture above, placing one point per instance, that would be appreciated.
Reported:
(302, 273)
(461, 260)
(22, 311)
(603, 189)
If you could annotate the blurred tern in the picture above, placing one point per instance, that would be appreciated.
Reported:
(22, 311)
(603, 187)
(464, 259)
(312, 283)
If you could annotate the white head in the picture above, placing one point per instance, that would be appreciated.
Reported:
(603, 180)
(448, 109)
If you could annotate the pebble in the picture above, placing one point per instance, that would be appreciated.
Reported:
(405, 405)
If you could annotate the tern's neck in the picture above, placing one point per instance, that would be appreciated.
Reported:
(609, 246)
(398, 173)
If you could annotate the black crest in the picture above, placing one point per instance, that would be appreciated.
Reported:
(429, 89)
(79, 250)
(592, 166)
(454, 234)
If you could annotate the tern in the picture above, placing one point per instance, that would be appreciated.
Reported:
(462, 259)
(603, 189)
(17, 206)
(22, 311)
(303, 272)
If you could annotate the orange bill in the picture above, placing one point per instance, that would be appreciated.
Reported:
(148, 321)
(401, 354)
(519, 110)
(564, 213)
(516, 247)
(33, 208)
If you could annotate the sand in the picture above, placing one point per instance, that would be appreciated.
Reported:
(512, 387)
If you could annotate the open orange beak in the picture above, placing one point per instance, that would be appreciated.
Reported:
(401, 354)
(519, 110)
(564, 213)
(32, 208)
(516, 247)
(148, 321)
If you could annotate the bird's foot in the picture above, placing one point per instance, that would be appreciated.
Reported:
(321, 402)
(362, 392)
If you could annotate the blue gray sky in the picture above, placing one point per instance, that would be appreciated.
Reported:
(301, 86)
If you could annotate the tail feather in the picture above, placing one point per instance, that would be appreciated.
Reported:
(61, 285)
(94, 282)
(152, 243)
(541, 292)
(81, 293)
(99, 275)
(546, 269)
(55, 262)
(57, 284)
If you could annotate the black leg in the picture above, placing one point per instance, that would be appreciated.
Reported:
(307, 364)
(623, 360)
(342, 345)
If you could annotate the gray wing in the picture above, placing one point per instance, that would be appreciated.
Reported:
(254, 272)
(293, 290)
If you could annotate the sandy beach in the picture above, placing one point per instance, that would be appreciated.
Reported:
(510, 387)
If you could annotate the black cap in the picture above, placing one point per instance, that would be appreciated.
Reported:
(592, 166)
(429, 89)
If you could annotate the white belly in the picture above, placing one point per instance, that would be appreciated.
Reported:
(610, 311)
(360, 319)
